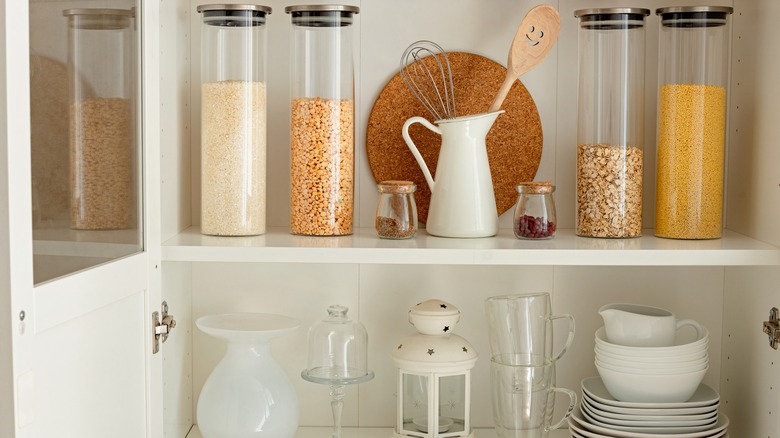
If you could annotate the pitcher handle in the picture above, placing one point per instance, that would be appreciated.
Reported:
(569, 410)
(413, 147)
(570, 339)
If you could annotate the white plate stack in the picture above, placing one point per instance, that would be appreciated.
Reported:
(649, 392)
(601, 415)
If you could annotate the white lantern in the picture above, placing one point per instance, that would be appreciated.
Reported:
(434, 375)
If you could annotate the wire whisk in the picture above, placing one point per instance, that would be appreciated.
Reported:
(425, 69)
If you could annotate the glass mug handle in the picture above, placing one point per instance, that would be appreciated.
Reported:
(570, 339)
(569, 410)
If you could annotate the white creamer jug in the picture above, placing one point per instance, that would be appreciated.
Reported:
(462, 200)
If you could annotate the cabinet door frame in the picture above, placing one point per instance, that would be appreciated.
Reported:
(49, 306)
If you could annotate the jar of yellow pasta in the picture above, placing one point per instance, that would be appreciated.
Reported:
(693, 88)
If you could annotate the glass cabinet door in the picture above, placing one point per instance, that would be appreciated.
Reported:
(84, 132)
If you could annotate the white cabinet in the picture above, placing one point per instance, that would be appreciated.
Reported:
(728, 284)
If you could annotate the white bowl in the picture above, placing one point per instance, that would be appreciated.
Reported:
(654, 371)
(656, 360)
(647, 388)
(674, 350)
(640, 365)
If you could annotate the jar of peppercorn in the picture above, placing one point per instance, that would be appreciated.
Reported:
(534, 216)
(396, 214)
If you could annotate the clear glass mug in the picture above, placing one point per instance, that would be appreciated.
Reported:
(523, 394)
(522, 324)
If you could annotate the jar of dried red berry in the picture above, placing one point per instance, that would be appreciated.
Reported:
(534, 216)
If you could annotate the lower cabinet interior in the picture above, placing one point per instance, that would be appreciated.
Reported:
(731, 302)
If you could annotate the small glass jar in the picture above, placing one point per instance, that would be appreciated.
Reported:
(322, 119)
(103, 140)
(233, 119)
(693, 77)
(610, 122)
(396, 214)
(534, 216)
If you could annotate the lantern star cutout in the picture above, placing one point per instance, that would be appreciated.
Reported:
(446, 328)
(430, 352)
(465, 350)
(443, 306)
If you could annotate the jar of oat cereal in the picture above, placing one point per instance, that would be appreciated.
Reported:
(102, 134)
(610, 123)
(233, 119)
(693, 70)
(322, 120)
(396, 212)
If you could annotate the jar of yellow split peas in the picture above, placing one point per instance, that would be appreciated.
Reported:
(693, 88)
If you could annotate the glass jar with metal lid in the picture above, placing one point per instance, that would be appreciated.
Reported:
(233, 119)
(693, 78)
(610, 126)
(103, 139)
(322, 125)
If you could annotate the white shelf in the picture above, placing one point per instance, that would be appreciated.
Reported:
(364, 247)
(375, 432)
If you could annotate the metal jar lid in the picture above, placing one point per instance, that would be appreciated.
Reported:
(237, 16)
(99, 18)
(686, 9)
(322, 8)
(612, 18)
(322, 15)
(611, 11)
(694, 16)
(224, 7)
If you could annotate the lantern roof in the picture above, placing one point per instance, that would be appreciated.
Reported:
(435, 348)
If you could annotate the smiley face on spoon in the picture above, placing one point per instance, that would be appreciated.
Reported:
(532, 31)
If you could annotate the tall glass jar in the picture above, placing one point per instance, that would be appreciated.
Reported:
(233, 119)
(693, 69)
(322, 127)
(102, 134)
(610, 128)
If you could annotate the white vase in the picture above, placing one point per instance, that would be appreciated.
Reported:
(248, 395)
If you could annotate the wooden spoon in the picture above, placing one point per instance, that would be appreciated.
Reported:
(534, 38)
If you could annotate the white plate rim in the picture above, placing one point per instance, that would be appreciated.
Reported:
(709, 409)
(584, 433)
(674, 429)
(722, 424)
(592, 385)
(649, 420)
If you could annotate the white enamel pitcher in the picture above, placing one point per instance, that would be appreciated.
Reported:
(462, 200)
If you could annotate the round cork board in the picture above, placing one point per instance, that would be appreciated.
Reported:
(514, 144)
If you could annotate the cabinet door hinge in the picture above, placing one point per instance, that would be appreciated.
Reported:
(161, 327)
(772, 327)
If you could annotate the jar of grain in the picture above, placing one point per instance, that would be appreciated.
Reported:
(102, 136)
(693, 70)
(396, 213)
(610, 123)
(322, 126)
(534, 215)
(233, 119)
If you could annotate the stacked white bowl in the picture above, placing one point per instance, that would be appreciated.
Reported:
(642, 354)
(652, 374)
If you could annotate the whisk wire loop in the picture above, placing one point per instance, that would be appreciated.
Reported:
(426, 71)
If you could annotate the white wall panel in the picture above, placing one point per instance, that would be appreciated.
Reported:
(750, 380)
